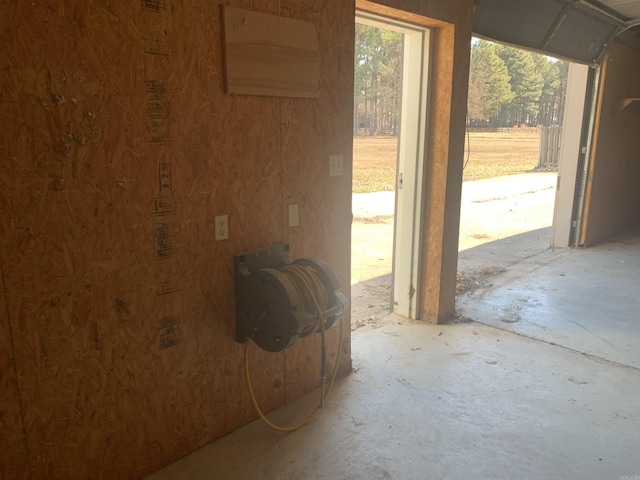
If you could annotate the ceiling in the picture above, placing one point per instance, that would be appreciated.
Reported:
(628, 8)
(577, 30)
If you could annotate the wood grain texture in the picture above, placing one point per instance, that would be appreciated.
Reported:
(119, 149)
(14, 464)
(324, 210)
(269, 54)
(613, 188)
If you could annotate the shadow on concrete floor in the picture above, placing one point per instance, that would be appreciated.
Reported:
(586, 300)
(371, 299)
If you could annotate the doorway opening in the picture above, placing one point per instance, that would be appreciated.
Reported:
(390, 102)
(524, 141)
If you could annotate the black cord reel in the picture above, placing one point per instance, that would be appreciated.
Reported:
(279, 301)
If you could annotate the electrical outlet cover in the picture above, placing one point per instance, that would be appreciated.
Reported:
(294, 219)
(335, 165)
(222, 227)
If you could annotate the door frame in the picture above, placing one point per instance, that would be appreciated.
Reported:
(407, 238)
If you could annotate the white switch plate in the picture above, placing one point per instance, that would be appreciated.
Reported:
(335, 165)
(222, 227)
(294, 220)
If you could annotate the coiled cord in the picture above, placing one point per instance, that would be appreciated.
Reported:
(315, 300)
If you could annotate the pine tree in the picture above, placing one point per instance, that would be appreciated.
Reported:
(489, 87)
(527, 84)
(377, 74)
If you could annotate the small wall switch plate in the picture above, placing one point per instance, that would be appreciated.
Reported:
(222, 227)
(294, 220)
(335, 165)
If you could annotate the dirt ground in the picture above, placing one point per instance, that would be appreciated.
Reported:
(495, 210)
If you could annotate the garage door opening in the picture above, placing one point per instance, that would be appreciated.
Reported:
(524, 142)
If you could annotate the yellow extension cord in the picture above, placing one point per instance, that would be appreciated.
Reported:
(300, 278)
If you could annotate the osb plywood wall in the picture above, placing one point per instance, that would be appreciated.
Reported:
(614, 179)
(119, 148)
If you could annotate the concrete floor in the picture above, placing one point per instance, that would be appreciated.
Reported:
(491, 209)
(587, 300)
(543, 384)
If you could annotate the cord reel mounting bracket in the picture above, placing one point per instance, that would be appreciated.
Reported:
(268, 307)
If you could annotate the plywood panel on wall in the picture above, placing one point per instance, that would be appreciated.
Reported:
(14, 463)
(121, 147)
(120, 159)
(613, 188)
(324, 202)
(269, 54)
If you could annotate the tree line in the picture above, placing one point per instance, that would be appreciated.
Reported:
(377, 80)
(513, 87)
(507, 86)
